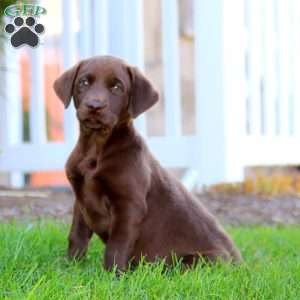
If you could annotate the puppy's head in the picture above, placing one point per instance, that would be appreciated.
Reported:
(105, 91)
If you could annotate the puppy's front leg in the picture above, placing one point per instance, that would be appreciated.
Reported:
(79, 236)
(125, 232)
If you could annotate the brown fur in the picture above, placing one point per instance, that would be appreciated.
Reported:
(122, 193)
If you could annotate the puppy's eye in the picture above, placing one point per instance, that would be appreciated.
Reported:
(117, 88)
(84, 82)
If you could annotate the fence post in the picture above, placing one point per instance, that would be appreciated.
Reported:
(134, 31)
(171, 59)
(296, 64)
(11, 118)
(38, 130)
(85, 33)
(100, 30)
(4, 178)
(69, 48)
(284, 49)
(126, 32)
(220, 90)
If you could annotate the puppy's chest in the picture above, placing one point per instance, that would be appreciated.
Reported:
(90, 165)
(96, 207)
(95, 204)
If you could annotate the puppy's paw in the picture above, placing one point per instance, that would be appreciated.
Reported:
(76, 251)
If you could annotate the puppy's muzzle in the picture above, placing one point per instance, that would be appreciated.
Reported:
(95, 105)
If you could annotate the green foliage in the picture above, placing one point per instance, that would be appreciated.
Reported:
(33, 266)
(4, 4)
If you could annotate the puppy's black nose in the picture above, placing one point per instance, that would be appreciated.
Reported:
(95, 104)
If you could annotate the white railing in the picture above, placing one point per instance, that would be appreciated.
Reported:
(247, 72)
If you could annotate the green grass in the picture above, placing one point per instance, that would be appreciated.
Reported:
(33, 266)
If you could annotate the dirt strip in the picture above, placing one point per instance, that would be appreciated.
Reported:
(230, 209)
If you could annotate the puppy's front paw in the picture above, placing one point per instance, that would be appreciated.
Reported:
(113, 261)
(76, 251)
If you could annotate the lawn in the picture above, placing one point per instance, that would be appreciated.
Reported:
(33, 266)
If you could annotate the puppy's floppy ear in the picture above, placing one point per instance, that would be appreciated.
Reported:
(63, 85)
(142, 93)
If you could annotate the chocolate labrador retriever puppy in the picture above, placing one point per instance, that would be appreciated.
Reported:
(122, 193)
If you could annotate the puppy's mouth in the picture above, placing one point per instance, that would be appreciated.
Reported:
(101, 122)
(94, 124)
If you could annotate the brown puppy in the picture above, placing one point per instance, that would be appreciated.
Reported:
(122, 193)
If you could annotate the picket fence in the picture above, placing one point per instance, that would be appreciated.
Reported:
(247, 72)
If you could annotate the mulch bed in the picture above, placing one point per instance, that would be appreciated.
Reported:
(231, 209)
(253, 210)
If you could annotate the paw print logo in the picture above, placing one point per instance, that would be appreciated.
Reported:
(24, 32)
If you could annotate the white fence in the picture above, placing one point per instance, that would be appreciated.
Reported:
(247, 71)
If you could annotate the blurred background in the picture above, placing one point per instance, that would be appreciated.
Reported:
(227, 72)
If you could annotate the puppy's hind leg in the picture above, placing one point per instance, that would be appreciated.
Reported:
(211, 257)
